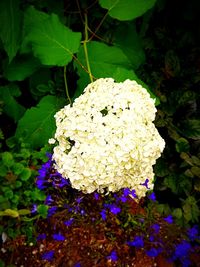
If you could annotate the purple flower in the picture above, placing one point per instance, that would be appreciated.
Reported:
(34, 209)
(41, 237)
(113, 256)
(40, 183)
(146, 183)
(82, 212)
(79, 200)
(193, 233)
(182, 249)
(156, 228)
(52, 211)
(96, 196)
(137, 242)
(123, 198)
(169, 219)
(103, 214)
(48, 255)
(182, 253)
(49, 200)
(77, 264)
(152, 196)
(69, 222)
(153, 252)
(126, 192)
(58, 237)
(151, 238)
(114, 209)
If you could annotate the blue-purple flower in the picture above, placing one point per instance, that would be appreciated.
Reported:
(48, 255)
(152, 197)
(103, 214)
(137, 242)
(153, 252)
(193, 233)
(69, 222)
(156, 228)
(169, 219)
(58, 237)
(146, 183)
(113, 256)
(41, 237)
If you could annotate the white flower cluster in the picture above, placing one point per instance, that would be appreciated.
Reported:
(107, 139)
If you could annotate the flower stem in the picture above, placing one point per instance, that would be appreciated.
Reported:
(85, 48)
(66, 87)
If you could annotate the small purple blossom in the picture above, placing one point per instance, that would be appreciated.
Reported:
(113, 256)
(96, 196)
(182, 253)
(156, 228)
(152, 197)
(146, 183)
(77, 264)
(169, 219)
(69, 222)
(137, 242)
(41, 237)
(153, 252)
(182, 249)
(58, 237)
(52, 211)
(48, 255)
(193, 233)
(103, 214)
(114, 209)
(34, 209)
(49, 200)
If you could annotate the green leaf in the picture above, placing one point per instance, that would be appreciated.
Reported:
(9, 212)
(126, 9)
(191, 209)
(105, 61)
(10, 30)
(17, 168)
(37, 194)
(38, 123)
(21, 67)
(177, 213)
(43, 210)
(25, 174)
(182, 145)
(191, 129)
(51, 41)
(128, 40)
(7, 159)
(11, 107)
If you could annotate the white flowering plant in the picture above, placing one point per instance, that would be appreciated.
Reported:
(107, 140)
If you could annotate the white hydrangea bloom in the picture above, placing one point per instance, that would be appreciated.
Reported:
(107, 139)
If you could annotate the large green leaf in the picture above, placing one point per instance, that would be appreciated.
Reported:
(51, 41)
(10, 29)
(21, 67)
(10, 106)
(105, 61)
(191, 128)
(128, 40)
(126, 9)
(38, 123)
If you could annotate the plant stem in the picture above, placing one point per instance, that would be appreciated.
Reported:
(85, 48)
(66, 87)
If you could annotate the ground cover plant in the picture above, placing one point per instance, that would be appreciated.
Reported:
(50, 52)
